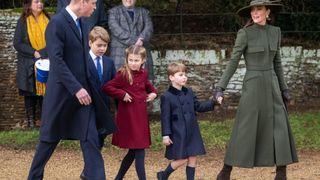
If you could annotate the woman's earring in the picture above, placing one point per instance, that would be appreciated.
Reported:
(268, 18)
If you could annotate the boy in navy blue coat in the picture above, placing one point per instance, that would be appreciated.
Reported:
(101, 70)
(101, 67)
(180, 129)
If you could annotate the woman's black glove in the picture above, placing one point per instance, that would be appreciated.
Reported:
(286, 96)
(218, 93)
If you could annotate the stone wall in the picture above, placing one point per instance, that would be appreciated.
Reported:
(11, 105)
(205, 67)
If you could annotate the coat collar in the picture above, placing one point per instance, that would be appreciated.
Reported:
(176, 91)
(140, 71)
(255, 25)
(73, 25)
(126, 14)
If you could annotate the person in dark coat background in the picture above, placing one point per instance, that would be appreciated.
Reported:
(72, 108)
(180, 129)
(261, 134)
(133, 90)
(29, 41)
(98, 18)
(130, 25)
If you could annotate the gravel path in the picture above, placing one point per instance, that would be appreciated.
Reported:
(67, 165)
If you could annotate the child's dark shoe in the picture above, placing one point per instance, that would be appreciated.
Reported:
(159, 175)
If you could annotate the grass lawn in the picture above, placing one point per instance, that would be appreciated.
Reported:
(305, 127)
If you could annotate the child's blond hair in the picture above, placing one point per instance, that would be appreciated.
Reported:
(99, 32)
(136, 50)
(175, 67)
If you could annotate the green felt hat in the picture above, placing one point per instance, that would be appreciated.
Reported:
(275, 6)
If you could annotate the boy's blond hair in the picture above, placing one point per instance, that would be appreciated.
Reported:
(99, 32)
(175, 67)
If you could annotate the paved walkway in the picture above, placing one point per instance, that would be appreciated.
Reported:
(67, 165)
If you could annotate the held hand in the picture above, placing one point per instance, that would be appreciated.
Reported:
(151, 97)
(218, 96)
(167, 141)
(127, 98)
(220, 99)
(83, 97)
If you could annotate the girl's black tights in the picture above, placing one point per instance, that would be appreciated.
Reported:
(138, 155)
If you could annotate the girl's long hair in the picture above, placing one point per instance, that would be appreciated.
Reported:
(136, 50)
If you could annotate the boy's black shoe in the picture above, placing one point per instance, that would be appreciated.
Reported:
(83, 177)
(159, 175)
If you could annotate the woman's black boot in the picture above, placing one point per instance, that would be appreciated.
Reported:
(224, 174)
(30, 117)
(281, 173)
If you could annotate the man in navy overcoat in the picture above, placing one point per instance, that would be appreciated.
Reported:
(72, 109)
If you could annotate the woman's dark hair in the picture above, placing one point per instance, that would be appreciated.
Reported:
(27, 10)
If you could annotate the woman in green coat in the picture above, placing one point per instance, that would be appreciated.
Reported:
(261, 135)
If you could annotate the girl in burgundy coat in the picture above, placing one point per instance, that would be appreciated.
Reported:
(133, 90)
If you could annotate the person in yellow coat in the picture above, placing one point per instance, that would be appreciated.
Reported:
(261, 135)
(29, 42)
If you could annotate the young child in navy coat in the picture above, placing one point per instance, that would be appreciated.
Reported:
(179, 125)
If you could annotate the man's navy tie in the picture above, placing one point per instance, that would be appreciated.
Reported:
(79, 26)
(99, 69)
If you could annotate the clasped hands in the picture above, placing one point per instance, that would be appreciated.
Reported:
(218, 95)
(139, 42)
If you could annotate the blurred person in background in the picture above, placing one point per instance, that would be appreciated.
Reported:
(130, 25)
(29, 42)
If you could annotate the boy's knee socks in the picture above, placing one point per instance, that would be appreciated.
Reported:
(190, 171)
(166, 173)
